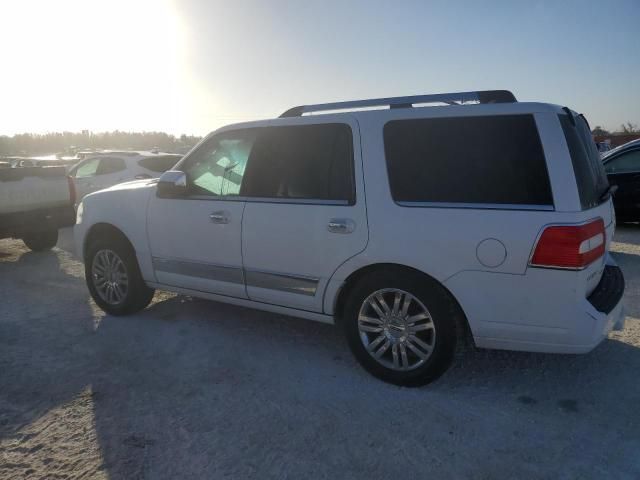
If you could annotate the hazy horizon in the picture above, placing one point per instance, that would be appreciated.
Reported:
(192, 66)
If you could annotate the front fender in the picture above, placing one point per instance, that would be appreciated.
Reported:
(124, 209)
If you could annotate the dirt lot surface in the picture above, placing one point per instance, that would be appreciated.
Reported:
(195, 389)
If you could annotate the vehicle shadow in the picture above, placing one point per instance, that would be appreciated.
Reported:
(43, 318)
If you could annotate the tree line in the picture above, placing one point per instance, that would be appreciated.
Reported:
(625, 129)
(68, 143)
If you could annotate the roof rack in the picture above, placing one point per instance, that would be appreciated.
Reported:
(454, 98)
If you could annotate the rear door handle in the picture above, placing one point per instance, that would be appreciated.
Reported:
(220, 217)
(341, 225)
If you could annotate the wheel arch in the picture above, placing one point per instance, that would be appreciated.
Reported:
(103, 230)
(352, 279)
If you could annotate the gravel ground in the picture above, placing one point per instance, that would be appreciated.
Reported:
(195, 389)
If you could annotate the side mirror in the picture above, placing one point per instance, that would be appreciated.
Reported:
(172, 184)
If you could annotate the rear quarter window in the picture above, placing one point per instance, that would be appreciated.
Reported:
(490, 160)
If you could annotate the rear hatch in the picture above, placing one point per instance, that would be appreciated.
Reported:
(592, 183)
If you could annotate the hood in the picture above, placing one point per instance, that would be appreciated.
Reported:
(126, 187)
(133, 184)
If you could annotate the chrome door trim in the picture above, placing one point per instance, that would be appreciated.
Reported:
(285, 282)
(282, 281)
(243, 302)
(221, 273)
(478, 206)
(286, 201)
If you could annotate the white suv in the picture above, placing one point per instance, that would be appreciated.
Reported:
(410, 226)
(105, 169)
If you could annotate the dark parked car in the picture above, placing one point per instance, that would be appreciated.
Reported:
(622, 165)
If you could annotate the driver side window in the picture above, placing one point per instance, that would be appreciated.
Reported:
(627, 162)
(217, 167)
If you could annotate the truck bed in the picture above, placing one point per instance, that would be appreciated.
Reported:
(33, 188)
(34, 199)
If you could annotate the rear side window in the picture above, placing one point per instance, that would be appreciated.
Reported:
(476, 160)
(111, 165)
(587, 166)
(159, 164)
(306, 162)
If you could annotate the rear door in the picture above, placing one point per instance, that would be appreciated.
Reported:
(623, 170)
(305, 213)
(111, 171)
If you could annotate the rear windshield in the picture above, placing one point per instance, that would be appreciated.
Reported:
(480, 160)
(587, 165)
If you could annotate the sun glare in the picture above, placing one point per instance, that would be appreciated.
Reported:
(91, 65)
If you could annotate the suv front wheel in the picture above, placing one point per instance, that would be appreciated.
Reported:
(114, 278)
(401, 326)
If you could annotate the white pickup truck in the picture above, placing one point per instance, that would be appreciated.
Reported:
(34, 203)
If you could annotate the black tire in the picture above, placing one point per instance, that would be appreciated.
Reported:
(445, 315)
(39, 241)
(137, 294)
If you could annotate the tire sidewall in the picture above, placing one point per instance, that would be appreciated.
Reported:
(438, 302)
(136, 283)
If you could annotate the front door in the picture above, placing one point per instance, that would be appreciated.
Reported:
(624, 171)
(196, 240)
(305, 213)
(96, 173)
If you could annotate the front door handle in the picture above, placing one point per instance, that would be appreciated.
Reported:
(341, 225)
(220, 217)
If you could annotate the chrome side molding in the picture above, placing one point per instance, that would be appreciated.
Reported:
(282, 282)
(252, 278)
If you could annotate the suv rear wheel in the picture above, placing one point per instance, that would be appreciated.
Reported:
(401, 326)
(114, 278)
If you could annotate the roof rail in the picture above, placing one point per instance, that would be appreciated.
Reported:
(454, 98)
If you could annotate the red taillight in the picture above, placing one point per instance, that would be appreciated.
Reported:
(570, 246)
(72, 190)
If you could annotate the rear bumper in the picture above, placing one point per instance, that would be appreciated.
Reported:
(540, 312)
(613, 321)
(606, 299)
(21, 223)
(609, 291)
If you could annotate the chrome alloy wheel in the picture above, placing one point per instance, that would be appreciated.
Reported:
(396, 329)
(109, 276)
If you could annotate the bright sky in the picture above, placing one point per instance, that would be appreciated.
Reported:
(190, 66)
